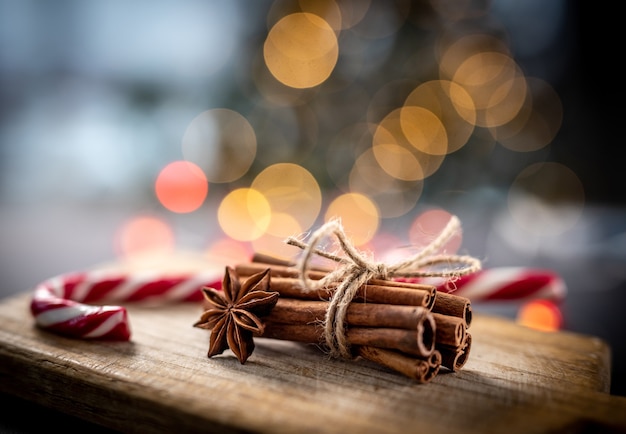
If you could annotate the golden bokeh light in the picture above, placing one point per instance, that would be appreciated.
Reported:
(397, 156)
(495, 83)
(181, 187)
(546, 199)
(424, 130)
(396, 160)
(541, 315)
(244, 214)
(292, 190)
(144, 236)
(301, 50)
(452, 106)
(358, 215)
(221, 142)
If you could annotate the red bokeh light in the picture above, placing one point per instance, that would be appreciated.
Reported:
(181, 187)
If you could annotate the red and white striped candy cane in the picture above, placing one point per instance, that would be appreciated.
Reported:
(505, 283)
(63, 304)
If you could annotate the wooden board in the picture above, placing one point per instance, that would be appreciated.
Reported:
(516, 380)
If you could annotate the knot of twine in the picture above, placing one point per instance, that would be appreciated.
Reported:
(356, 270)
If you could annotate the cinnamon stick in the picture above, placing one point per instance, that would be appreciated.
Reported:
(454, 305)
(293, 311)
(406, 341)
(454, 358)
(290, 287)
(285, 281)
(422, 370)
(450, 330)
(278, 270)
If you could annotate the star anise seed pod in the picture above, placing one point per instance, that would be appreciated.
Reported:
(233, 313)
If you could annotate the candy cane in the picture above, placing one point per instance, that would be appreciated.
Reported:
(62, 304)
(505, 283)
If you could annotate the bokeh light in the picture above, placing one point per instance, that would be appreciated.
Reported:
(496, 84)
(453, 107)
(181, 187)
(244, 214)
(424, 130)
(358, 215)
(396, 160)
(301, 50)
(541, 315)
(292, 190)
(397, 156)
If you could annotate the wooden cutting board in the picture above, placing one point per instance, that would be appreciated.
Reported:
(517, 380)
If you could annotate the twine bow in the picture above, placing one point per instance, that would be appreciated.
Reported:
(356, 270)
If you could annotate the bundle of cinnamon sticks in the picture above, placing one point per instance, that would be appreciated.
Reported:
(407, 327)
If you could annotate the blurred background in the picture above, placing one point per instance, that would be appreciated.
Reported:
(132, 129)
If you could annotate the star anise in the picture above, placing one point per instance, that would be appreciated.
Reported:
(233, 313)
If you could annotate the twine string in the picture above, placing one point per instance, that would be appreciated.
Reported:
(355, 270)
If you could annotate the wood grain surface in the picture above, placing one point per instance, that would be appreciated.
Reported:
(517, 380)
